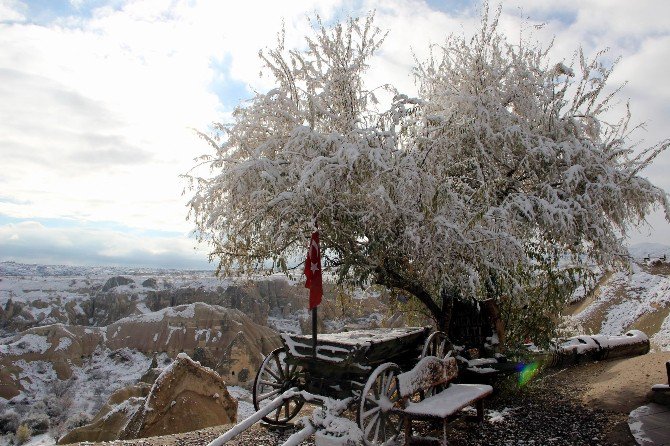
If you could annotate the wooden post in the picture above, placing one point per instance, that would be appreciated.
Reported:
(314, 332)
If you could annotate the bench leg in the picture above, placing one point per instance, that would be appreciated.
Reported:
(480, 411)
(444, 433)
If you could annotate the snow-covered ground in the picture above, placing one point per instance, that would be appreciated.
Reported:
(83, 394)
(624, 298)
(23, 283)
(38, 440)
(245, 405)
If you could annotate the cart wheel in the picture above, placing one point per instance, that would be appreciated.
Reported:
(274, 377)
(437, 345)
(379, 396)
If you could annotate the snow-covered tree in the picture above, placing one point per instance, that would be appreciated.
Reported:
(502, 166)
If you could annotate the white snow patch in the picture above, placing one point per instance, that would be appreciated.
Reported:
(245, 407)
(495, 416)
(63, 344)
(28, 343)
(644, 293)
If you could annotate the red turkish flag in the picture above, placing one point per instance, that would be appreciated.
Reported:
(313, 271)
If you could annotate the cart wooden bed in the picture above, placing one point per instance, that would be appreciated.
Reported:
(359, 365)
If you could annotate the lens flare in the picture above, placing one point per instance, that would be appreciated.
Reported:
(527, 372)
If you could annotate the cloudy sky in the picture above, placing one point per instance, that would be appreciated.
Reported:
(98, 99)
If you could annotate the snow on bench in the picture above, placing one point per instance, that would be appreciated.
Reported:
(449, 401)
(428, 376)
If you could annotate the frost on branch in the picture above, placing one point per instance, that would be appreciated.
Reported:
(477, 188)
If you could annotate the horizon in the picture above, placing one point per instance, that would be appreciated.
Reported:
(642, 249)
(99, 98)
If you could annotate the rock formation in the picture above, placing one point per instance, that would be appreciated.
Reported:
(113, 282)
(185, 397)
(113, 416)
(228, 337)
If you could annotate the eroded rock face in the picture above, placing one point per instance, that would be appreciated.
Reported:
(225, 339)
(121, 297)
(113, 416)
(185, 397)
(257, 300)
(150, 283)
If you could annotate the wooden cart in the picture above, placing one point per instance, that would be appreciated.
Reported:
(358, 365)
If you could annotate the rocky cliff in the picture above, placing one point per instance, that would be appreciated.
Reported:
(235, 342)
(185, 397)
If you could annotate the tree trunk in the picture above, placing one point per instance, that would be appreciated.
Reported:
(443, 319)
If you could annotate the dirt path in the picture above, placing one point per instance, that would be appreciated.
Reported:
(582, 405)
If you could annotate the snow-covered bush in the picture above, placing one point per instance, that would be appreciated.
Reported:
(9, 420)
(38, 422)
(77, 420)
(477, 188)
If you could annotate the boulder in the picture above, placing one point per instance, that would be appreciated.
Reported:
(150, 283)
(113, 416)
(113, 282)
(185, 397)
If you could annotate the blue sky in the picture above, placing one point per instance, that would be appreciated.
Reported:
(98, 99)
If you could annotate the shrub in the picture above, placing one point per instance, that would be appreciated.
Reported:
(37, 422)
(9, 421)
(23, 434)
(77, 420)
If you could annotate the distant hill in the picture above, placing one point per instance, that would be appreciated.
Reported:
(655, 250)
(30, 269)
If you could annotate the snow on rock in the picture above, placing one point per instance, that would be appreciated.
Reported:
(181, 311)
(286, 325)
(637, 425)
(36, 378)
(41, 440)
(28, 343)
(662, 337)
(180, 400)
(63, 344)
(104, 373)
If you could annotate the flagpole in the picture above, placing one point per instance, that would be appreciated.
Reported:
(314, 332)
(316, 226)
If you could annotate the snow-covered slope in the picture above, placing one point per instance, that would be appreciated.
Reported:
(637, 299)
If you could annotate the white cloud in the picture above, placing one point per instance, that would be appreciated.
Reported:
(32, 242)
(96, 112)
(11, 11)
(96, 109)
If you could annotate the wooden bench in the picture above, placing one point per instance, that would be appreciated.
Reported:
(427, 380)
